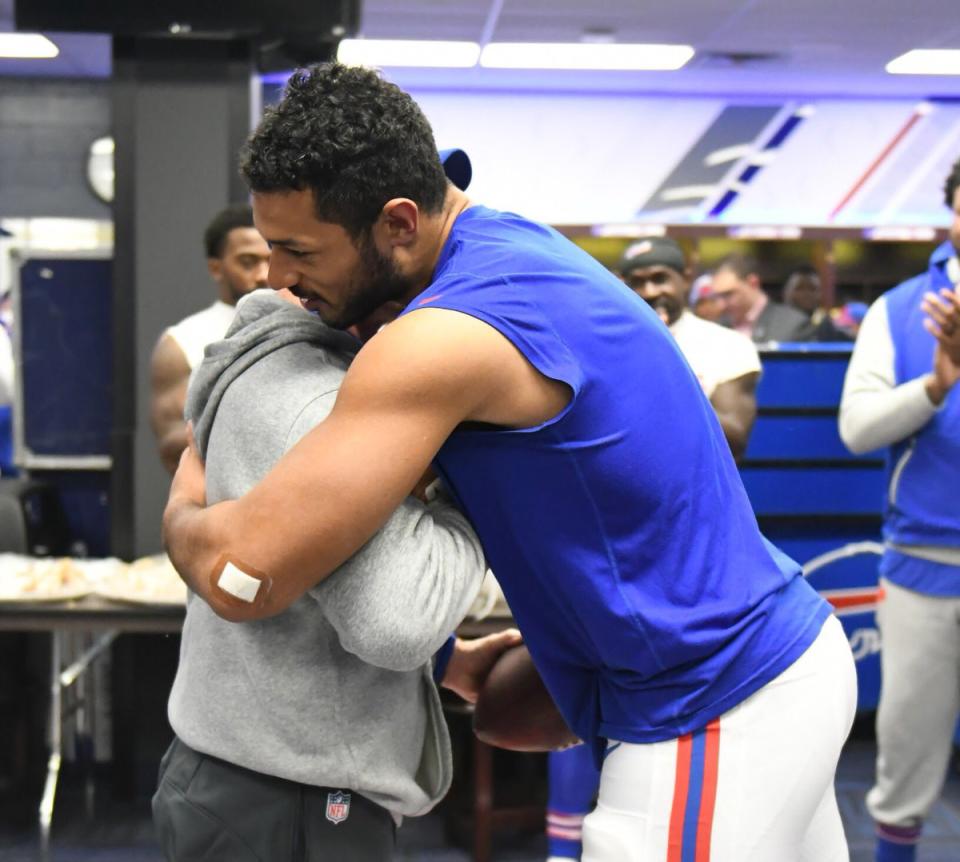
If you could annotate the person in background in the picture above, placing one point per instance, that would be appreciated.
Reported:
(849, 317)
(901, 394)
(725, 362)
(749, 310)
(728, 367)
(703, 301)
(237, 260)
(573, 780)
(804, 292)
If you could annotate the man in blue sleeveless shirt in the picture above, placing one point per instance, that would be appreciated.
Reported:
(686, 651)
(901, 393)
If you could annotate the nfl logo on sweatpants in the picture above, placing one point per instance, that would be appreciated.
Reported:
(338, 806)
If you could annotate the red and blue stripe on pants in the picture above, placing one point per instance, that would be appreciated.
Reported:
(694, 795)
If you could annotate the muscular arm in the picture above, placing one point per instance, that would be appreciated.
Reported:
(395, 602)
(404, 394)
(735, 403)
(169, 375)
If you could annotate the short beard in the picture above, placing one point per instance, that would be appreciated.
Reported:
(375, 282)
(236, 294)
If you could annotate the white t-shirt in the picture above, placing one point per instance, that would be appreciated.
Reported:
(195, 332)
(716, 354)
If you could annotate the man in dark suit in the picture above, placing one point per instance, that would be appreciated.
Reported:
(749, 310)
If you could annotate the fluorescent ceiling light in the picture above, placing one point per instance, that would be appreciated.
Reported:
(584, 55)
(926, 62)
(400, 52)
(27, 46)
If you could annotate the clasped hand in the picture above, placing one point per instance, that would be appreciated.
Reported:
(943, 323)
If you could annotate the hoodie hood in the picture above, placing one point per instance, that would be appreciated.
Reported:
(263, 323)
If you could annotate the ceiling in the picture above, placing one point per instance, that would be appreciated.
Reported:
(804, 47)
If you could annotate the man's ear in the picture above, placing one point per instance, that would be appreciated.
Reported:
(215, 268)
(399, 221)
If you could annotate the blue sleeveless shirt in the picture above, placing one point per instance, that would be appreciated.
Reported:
(619, 530)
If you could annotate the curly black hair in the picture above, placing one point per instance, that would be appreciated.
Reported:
(215, 236)
(352, 138)
(952, 183)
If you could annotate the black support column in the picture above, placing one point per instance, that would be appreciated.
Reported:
(181, 110)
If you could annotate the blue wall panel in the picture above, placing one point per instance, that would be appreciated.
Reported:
(813, 497)
(813, 490)
(803, 376)
(67, 362)
(799, 437)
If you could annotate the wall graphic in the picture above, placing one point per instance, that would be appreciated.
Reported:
(578, 158)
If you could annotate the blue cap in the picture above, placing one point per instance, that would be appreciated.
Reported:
(856, 310)
(457, 167)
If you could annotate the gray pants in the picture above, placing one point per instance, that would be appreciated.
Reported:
(919, 703)
(211, 811)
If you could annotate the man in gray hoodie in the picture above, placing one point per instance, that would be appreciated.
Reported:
(307, 735)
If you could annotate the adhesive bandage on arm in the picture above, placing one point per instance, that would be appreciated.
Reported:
(239, 584)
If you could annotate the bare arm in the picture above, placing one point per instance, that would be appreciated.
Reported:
(169, 376)
(395, 602)
(735, 402)
(405, 393)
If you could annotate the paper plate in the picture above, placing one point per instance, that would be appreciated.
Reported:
(32, 579)
(148, 581)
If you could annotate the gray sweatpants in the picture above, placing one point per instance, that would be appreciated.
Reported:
(919, 702)
(207, 810)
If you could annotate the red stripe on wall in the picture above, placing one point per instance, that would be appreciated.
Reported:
(876, 163)
(681, 786)
(708, 796)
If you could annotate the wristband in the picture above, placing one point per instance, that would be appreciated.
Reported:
(442, 658)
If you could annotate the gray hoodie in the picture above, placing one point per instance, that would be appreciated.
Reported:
(337, 690)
